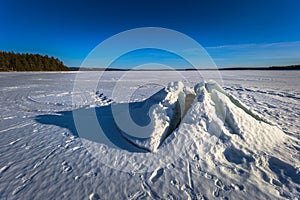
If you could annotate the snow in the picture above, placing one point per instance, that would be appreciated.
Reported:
(236, 137)
(164, 110)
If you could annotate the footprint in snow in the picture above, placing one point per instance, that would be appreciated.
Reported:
(94, 196)
(101, 99)
(156, 175)
(66, 167)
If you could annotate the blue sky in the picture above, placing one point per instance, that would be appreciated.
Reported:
(235, 33)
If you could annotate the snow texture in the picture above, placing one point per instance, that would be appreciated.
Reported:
(235, 138)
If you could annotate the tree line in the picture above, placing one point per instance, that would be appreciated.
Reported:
(10, 61)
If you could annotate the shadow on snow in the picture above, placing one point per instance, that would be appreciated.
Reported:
(110, 134)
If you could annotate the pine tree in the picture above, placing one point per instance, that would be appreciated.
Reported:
(10, 61)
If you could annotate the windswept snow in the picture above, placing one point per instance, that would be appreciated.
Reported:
(236, 139)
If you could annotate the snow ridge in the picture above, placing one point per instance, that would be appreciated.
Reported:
(209, 105)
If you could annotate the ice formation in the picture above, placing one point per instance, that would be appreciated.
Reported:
(207, 105)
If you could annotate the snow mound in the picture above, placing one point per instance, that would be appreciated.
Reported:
(221, 114)
(236, 144)
(165, 110)
(207, 107)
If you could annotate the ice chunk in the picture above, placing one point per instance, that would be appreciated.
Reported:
(166, 108)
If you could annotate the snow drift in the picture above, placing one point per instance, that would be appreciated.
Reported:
(208, 107)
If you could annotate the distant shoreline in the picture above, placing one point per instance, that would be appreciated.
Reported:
(272, 68)
(76, 69)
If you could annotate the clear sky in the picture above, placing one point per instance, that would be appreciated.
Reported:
(235, 33)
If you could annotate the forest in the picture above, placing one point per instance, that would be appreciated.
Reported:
(10, 61)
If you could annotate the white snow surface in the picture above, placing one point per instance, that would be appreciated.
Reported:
(233, 138)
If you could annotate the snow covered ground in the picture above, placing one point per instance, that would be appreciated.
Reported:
(239, 140)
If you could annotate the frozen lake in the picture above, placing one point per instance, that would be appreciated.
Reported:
(45, 155)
